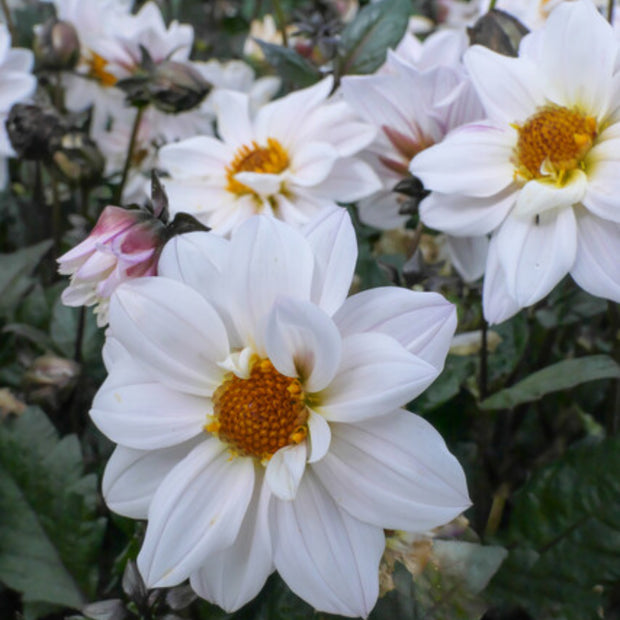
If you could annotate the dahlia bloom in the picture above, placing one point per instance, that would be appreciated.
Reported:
(16, 83)
(258, 415)
(541, 172)
(444, 99)
(123, 245)
(295, 157)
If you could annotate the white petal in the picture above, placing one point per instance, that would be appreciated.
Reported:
(319, 436)
(597, 268)
(312, 163)
(536, 256)
(497, 301)
(509, 88)
(262, 183)
(172, 330)
(349, 180)
(376, 375)
(463, 216)
(327, 557)
(601, 197)
(395, 473)
(302, 341)
(332, 238)
(474, 160)
(199, 156)
(146, 415)
(131, 477)
(539, 196)
(381, 210)
(234, 576)
(193, 513)
(267, 259)
(285, 470)
(233, 117)
(578, 53)
(468, 255)
(423, 323)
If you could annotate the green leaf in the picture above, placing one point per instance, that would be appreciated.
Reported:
(565, 533)
(290, 65)
(364, 42)
(561, 376)
(49, 536)
(14, 271)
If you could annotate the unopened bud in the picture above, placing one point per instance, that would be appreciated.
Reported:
(499, 31)
(56, 45)
(177, 87)
(49, 379)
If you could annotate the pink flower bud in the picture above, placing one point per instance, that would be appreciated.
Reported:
(124, 244)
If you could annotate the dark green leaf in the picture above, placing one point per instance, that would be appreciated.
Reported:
(290, 65)
(364, 42)
(14, 273)
(457, 370)
(565, 533)
(561, 376)
(49, 537)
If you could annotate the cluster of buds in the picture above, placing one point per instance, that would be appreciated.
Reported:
(124, 244)
(171, 86)
(41, 133)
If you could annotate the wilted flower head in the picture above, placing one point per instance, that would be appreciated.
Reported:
(124, 244)
(56, 45)
(258, 415)
(541, 172)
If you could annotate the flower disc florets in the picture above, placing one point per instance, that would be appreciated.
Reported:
(261, 414)
(553, 141)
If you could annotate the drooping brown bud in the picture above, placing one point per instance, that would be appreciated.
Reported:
(77, 158)
(31, 129)
(49, 379)
(177, 87)
(56, 45)
(499, 31)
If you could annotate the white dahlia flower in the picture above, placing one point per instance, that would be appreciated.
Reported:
(542, 172)
(258, 415)
(295, 157)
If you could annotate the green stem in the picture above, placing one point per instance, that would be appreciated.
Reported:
(277, 7)
(492, 5)
(612, 422)
(483, 387)
(56, 218)
(417, 236)
(128, 159)
(9, 21)
(610, 11)
(79, 337)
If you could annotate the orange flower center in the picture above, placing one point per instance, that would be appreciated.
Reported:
(271, 159)
(553, 142)
(261, 414)
(97, 70)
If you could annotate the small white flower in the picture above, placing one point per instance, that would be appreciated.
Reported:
(258, 415)
(541, 173)
(291, 160)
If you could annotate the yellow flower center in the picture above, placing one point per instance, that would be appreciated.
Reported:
(97, 70)
(553, 142)
(261, 414)
(271, 159)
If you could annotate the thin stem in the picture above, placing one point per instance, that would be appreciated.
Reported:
(483, 387)
(610, 11)
(79, 336)
(56, 218)
(9, 21)
(497, 509)
(612, 422)
(492, 5)
(415, 240)
(130, 150)
(277, 7)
